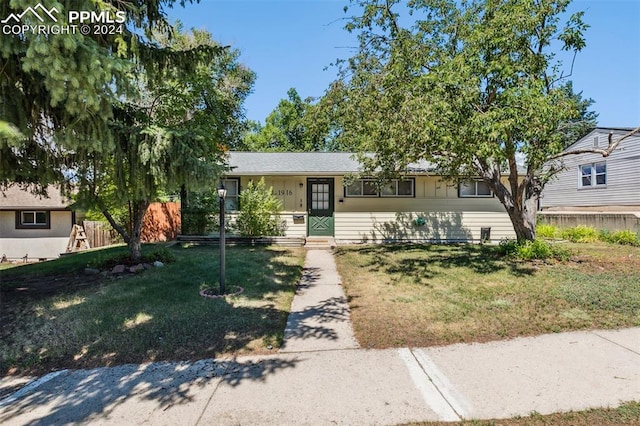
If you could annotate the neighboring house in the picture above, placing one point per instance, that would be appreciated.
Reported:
(32, 226)
(591, 182)
(595, 190)
(317, 202)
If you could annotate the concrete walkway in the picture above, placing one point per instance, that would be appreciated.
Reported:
(324, 385)
(319, 317)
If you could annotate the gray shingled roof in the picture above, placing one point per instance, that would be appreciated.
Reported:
(15, 198)
(300, 163)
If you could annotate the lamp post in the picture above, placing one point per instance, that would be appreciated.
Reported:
(222, 193)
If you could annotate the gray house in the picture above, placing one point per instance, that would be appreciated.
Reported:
(591, 185)
(320, 201)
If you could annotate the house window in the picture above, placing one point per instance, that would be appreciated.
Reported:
(474, 188)
(232, 200)
(368, 188)
(320, 196)
(593, 175)
(398, 188)
(33, 219)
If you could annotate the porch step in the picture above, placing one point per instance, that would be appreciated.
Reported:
(320, 242)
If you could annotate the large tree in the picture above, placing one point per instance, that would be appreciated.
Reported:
(121, 116)
(294, 125)
(172, 133)
(58, 91)
(473, 86)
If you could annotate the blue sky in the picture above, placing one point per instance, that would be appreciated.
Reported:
(290, 43)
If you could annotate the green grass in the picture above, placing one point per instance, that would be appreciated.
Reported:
(155, 315)
(12, 273)
(425, 295)
(626, 414)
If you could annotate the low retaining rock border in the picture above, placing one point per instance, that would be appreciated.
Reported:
(238, 291)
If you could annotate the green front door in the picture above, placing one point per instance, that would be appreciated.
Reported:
(320, 205)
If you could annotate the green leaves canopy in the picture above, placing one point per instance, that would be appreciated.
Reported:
(294, 125)
(470, 85)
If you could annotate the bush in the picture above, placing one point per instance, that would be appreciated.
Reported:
(200, 213)
(105, 261)
(581, 234)
(161, 253)
(623, 237)
(259, 211)
(547, 231)
(529, 250)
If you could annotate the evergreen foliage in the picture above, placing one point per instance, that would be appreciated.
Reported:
(172, 133)
(122, 118)
(58, 92)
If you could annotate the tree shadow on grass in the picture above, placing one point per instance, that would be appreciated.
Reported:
(199, 329)
(159, 315)
(424, 261)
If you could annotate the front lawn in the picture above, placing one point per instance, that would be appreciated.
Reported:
(626, 414)
(424, 295)
(154, 315)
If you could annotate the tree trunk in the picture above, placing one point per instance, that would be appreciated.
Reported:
(184, 205)
(135, 245)
(523, 216)
(521, 213)
(524, 223)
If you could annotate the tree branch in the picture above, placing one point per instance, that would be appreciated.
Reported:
(604, 152)
(115, 225)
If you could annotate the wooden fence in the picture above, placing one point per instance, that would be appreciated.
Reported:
(161, 223)
(100, 234)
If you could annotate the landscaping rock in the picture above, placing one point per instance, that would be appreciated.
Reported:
(158, 264)
(136, 269)
(118, 269)
(147, 265)
(91, 271)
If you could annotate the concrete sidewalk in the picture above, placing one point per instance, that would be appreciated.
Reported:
(319, 318)
(550, 373)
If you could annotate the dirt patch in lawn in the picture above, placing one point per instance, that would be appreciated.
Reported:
(44, 286)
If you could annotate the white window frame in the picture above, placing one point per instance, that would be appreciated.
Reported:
(475, 194)
(592, 175)
(380, 193)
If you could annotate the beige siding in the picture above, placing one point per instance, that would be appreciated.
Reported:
(449, 218)
(291, 190)
(622, 188)
(294, 229)
(440, 226)
(34, 243)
